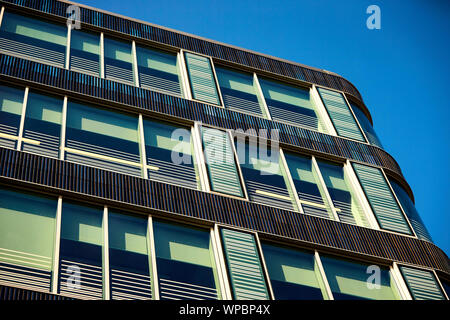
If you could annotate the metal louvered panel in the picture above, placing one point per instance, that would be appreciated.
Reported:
(159, 81)
(30, 170)
(48, 144)
(91, 280)
(13, 293)
(340, 114)
(422, 284)
(269, 195)
(244, 266)
(25, 277)
(381, 199)
(119, 71)
(130, 286)
(220, 161)
(84, 62)
(201, 76)
(174, 290)
(241, 101)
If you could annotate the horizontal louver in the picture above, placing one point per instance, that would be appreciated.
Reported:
(220, 161)
(90, 284)
(381, 199)
(201, 76)
(85, 62)
(130, 285)
(422, 284)
(25, 277)
(340, 114)
(244, 266)
(175, 290)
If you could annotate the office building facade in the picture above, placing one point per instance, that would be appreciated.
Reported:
(138, 162)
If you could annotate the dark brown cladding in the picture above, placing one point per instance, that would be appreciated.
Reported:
(158, 104)
(180, 40)
(74, 181)
(13, 293)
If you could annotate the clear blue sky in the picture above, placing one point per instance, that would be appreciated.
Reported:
(402, 70)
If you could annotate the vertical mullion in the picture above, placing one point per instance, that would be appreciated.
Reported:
(69, 35)
(102, 55)
(291, 181)
(225, 290)
(106, 284)
(216, 82)
(135, 65)
(324, 187)
(360, 195)
(200, 157)
(142, 147)
(264, 266)
(324, 276)
(356, 119)
(62, 142)
(154, 275)
(440, 284)
(320, 107)
(22, 118)
(55, 273)
(184, 76)
(261, 96)
(1, 15)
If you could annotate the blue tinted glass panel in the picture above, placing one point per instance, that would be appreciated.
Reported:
(11, 103)
(33, 39)
(42, 127)
(186, 268)
(85, 52)
(366, 126)
(118, 61)
(80, 264)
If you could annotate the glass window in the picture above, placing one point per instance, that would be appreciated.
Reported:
(446, 286)
(102, 138)
(239, 92)
(366, 126)
(308, 186)
(344, 200)
(294, 274)
(201, 77)
(264, 176)
(422, 284)
(220, 162)
(33, 39)
(81, 252)
(11, 102)
(290, 104)
(128, 257)
(85, 52)
(356, 281)
(158, 71)
(27, 238)
(169, 152)
(118, 61)
(411, 212)
(185, 263)
(42, 127)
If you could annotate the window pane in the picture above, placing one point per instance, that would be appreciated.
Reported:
(81, 251)
(102, 138)
(411, 212)
(239, 92)
(366, 126)
(128, 257)
(185, 262)
(220, 162)
(85, 52)
(294, 274)
(158, 71)
(118, 61)
(290, 104)
(347, 206)
(264, 176)
(11, 102)
(201, 77)
(42, 128)
(340, 114)
(27, 237)
(422, 284)
(21, 35)
(310, 191)
(350, 281)
(169, 151)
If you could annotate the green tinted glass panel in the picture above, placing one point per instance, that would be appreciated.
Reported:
(354, 281)
(11, 100)
(27, 229)
(82, 224)
(294, 274)
(366, 126)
